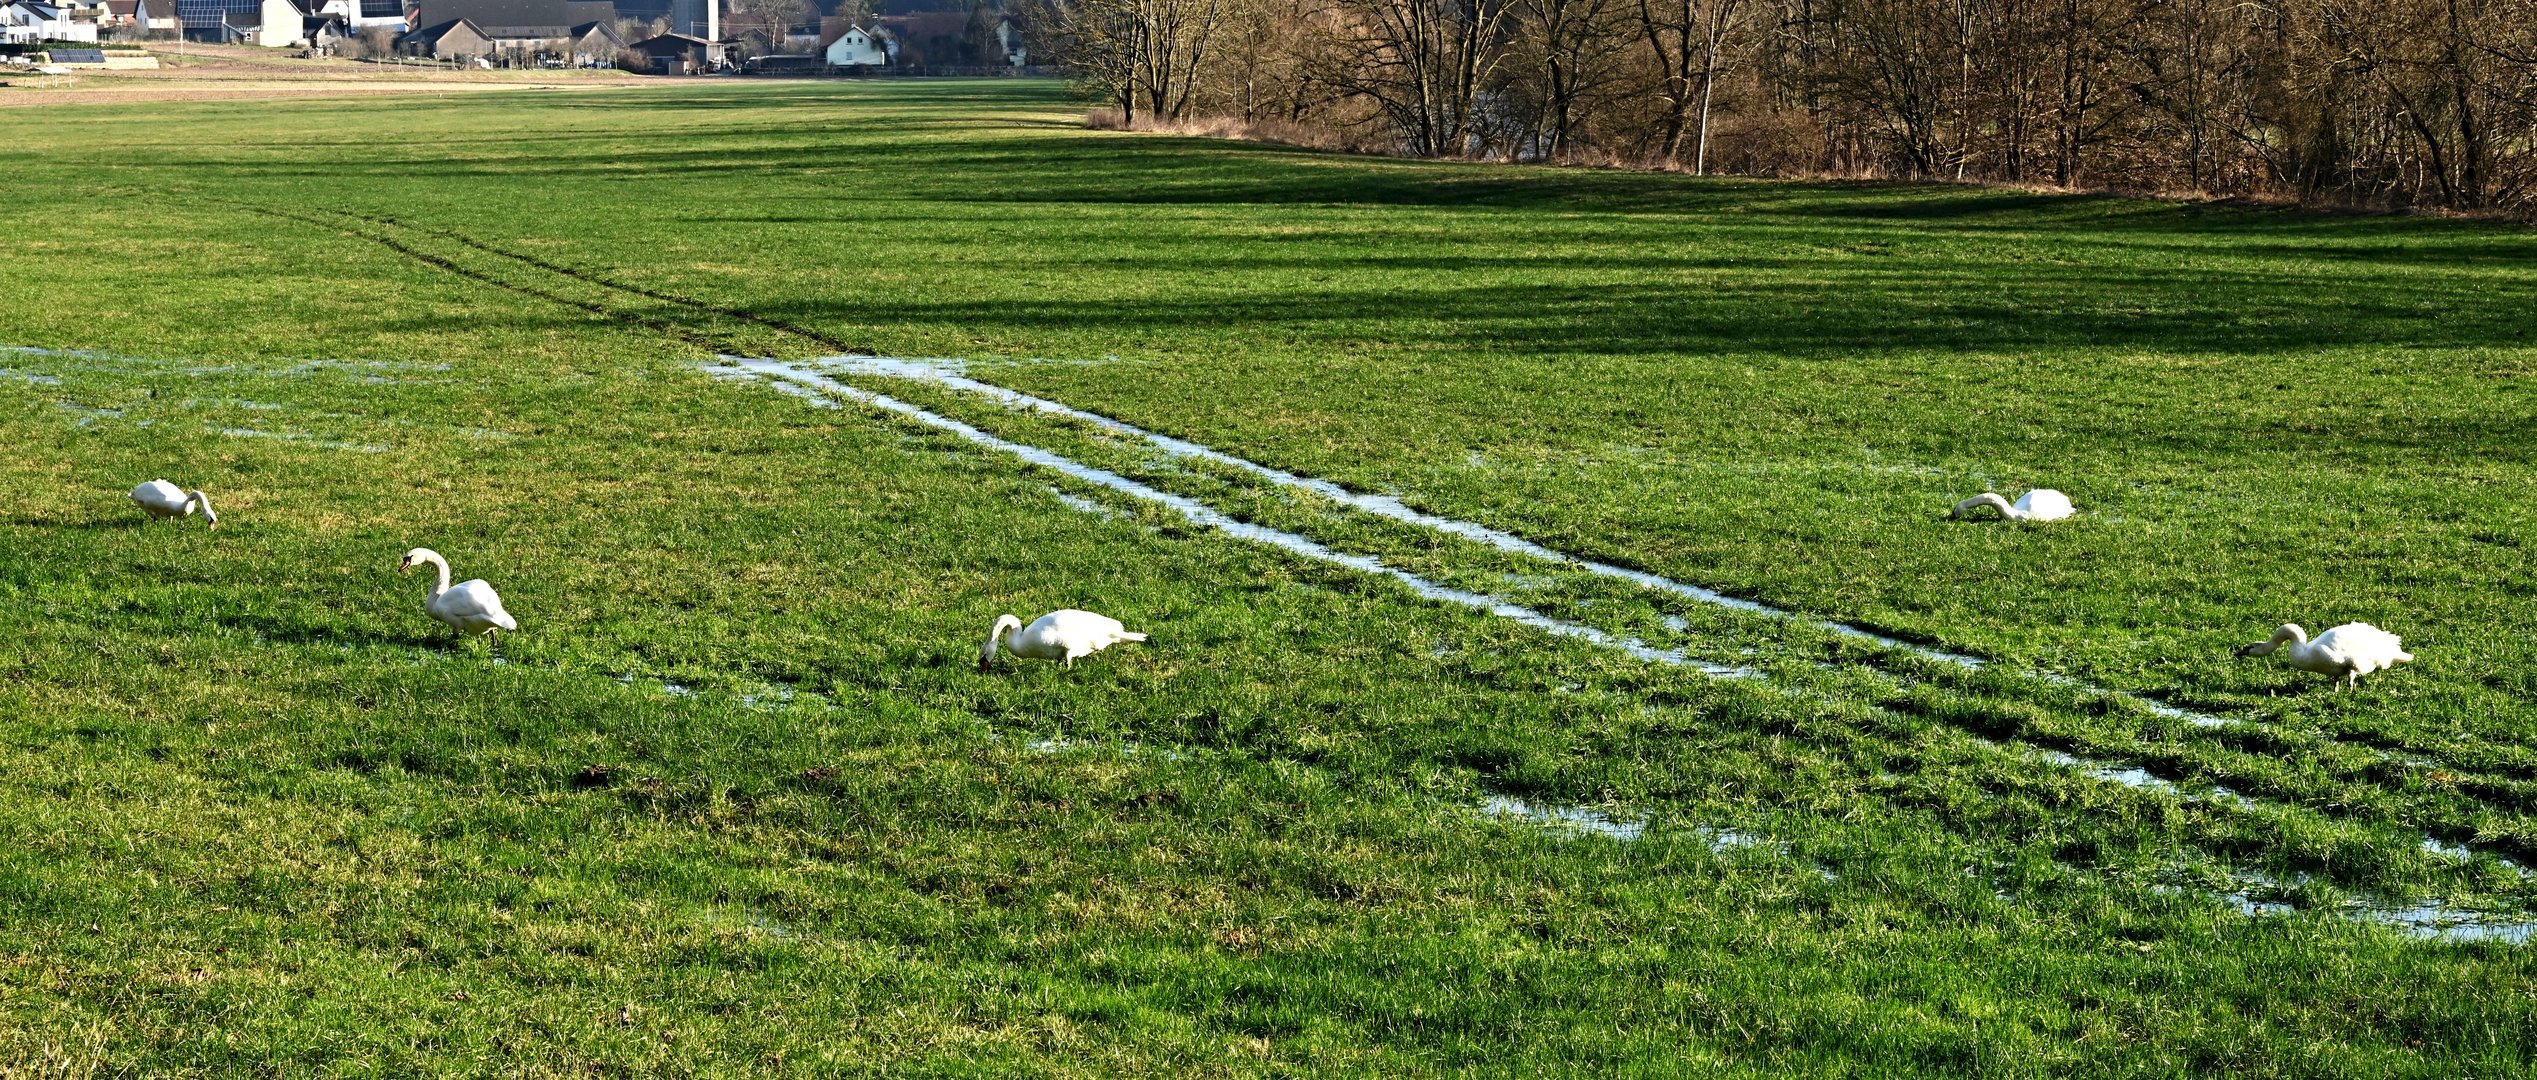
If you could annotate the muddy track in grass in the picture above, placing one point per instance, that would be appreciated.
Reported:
(815, 337)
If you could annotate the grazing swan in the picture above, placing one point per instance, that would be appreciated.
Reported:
(2041, 504)
(165, 500)
(471, 608)
(2347, 652)
(1058, 635)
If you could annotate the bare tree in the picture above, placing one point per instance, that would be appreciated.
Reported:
(1422, 64)
(1690, 39)
(2397, 101)
(1145, 56)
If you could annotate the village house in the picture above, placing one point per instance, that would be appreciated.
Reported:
(27, 22)
(579, 33)
(358, 15)
(273, 24)
(138, 16)
(854, 46)
(457, 39)
(322, 33)
(933, 38)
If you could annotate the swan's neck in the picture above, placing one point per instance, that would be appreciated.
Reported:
(2290, 635)
(197, 498)
(1988, 499)
(995, 637)
(440, 574)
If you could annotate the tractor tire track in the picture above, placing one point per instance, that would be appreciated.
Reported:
(602, 311)
(741, 315)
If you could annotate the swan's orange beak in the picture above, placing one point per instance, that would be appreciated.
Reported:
(403, 565)
(982, 665)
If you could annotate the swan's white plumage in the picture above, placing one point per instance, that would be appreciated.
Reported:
(470, 607)
(2346, 652)
(2041, 504)
(163, 500)
(1059, 635)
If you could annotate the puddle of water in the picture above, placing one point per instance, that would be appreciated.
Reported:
(1569, 818)
(2161, 708)
(1589, 821)
(759, 922)
(667, 687)
(2437, 921)
(234, 403)
(1048, 747)
(1084, 505)
(365, 365)
(88, 414)
(302, 437)
(2131, 776)
(97, 360)
(809, 382)
(35, 378)
(1723, 841)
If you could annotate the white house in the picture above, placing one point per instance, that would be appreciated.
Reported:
(279, 28)
(857, 48)
(358, 15)
(1008, 38)
(29, 21)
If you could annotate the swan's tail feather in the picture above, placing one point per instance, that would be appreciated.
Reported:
(1130, 635)
(2403, 658)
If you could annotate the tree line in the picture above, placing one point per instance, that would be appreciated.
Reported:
(2405, 102)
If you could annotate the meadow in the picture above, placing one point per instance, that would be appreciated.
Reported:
(736, 801)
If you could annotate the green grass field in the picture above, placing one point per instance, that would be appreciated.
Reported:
(735, 801)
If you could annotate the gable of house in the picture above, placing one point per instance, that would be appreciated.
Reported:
(855, 47)
(554, 17)
(672, 45)
(454, 38)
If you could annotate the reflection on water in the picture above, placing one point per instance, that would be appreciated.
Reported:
(1571, 818)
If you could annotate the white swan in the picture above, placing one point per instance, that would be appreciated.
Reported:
(470, 608)
(164, 500)
(2346, 652)
(1058, 635)
(2041, 504)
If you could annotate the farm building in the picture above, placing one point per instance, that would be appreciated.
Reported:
(571, 32)
(680, 54)
(456, 39)
(575, 32)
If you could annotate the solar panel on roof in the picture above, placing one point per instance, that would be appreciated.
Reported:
(206, 14)
(77, 56)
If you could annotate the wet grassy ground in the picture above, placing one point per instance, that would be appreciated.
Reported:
(736, 801)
